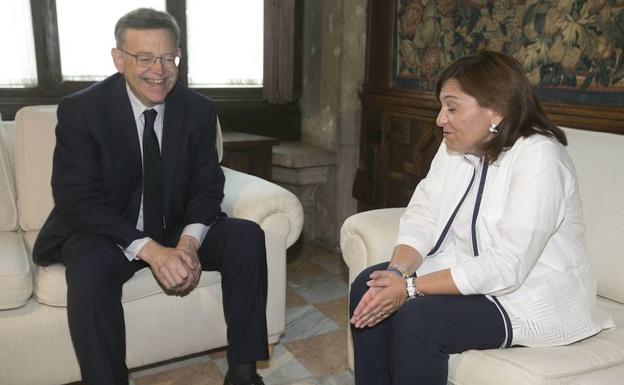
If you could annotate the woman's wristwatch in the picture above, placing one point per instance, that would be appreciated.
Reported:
(412, 290)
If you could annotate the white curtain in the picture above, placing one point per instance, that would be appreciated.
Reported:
(86, 35)
(224, 40)
(18, 67)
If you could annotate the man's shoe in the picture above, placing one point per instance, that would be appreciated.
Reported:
(255, 379)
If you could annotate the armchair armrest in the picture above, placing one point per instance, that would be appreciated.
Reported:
(368, 238)
(274, 208)
(16, 282)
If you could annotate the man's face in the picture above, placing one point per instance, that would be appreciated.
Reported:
(152, 84)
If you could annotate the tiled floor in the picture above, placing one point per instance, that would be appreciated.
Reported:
(313, 349)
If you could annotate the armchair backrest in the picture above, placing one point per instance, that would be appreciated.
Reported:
(34, 146)
(599, 161)
(8, 209)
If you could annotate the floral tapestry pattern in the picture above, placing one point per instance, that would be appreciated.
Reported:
(571, 50)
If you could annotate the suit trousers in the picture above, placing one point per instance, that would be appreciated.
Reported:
(412, 346)
(96, 270)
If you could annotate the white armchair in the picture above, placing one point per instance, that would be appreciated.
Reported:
(35, 347)
(368, 238)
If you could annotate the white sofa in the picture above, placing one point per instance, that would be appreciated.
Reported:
(35, 347)
(368, 238)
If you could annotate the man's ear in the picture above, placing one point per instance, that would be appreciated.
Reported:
(118, 60)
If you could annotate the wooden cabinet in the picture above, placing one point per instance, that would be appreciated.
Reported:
(248, 153)
(396, 152)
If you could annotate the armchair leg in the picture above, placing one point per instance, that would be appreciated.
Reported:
(265, 364)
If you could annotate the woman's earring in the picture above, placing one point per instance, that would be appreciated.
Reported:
(493, 129)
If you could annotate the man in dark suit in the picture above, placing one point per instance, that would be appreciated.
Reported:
(136, 183)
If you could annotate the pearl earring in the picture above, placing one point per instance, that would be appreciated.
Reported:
(493, 129)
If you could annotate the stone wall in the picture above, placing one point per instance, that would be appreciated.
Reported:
(334, 34)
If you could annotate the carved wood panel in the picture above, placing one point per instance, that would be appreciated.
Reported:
(396, 152)
(407, 148)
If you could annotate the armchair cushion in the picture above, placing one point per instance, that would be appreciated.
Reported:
(34, 144)
(580, 363)
(16, 282)
(51, 287)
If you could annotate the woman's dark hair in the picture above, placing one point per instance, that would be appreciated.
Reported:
(498, 82)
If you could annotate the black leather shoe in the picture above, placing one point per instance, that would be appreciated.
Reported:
(255, 379)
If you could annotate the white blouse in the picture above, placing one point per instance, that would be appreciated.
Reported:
(516, 234)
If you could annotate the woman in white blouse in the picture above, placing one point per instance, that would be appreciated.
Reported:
(491, 249)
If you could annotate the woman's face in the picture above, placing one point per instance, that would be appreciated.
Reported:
(465, 124)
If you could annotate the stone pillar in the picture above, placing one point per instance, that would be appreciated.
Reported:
(301, 169)
(334, 43)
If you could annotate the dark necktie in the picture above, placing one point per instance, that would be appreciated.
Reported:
(152, 180)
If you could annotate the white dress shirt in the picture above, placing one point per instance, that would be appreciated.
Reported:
(195, 230)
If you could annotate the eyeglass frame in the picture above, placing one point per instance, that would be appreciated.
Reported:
(176, 59)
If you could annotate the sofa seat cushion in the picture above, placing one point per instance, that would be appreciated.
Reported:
(593, 360)
(51, 288)
(16, 282)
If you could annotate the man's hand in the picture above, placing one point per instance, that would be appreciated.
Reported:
(189, 246)
(386, 294)
(170, 266)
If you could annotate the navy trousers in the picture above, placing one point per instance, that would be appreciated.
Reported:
(412, 346)
(96, 270)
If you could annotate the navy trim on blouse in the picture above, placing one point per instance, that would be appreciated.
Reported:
(450, 221)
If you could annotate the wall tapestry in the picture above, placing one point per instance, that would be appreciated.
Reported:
(571, 50)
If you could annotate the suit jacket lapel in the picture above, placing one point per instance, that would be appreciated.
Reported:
(124, 130)
(125, 125)
(173, 126)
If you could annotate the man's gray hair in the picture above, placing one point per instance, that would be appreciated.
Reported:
(146, 18)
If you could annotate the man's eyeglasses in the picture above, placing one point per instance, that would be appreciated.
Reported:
(146, 60)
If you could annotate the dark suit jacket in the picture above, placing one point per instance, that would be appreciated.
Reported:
(97, 168)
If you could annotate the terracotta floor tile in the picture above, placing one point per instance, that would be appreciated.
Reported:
(336, 310)
(331, 262)
(312, 249)
(302, 268)
(321, 355)
(320, 288)
(293, 299)
(216, 354)
(205, 373)
(306, 321)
